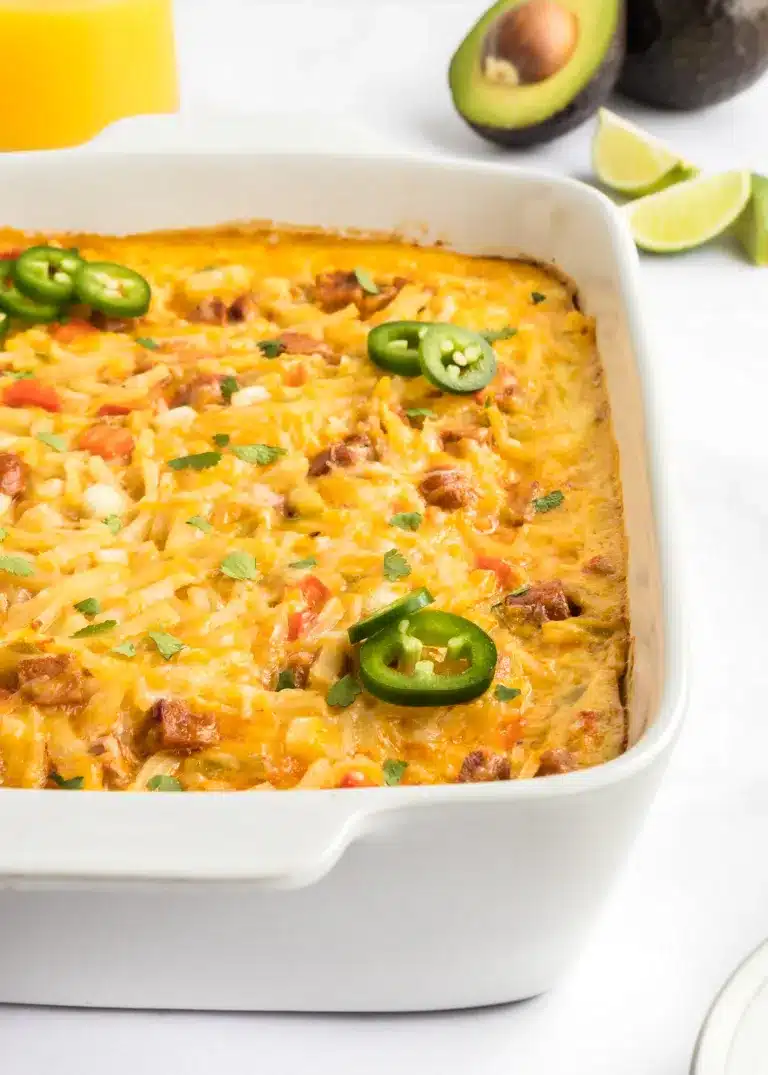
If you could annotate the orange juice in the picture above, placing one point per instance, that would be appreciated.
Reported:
(70, 67)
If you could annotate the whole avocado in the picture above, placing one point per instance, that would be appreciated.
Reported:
(528, 71)
(684, 54)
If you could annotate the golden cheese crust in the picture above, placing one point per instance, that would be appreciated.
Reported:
(163, 603)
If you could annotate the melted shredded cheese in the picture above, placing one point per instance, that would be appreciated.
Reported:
(153, 571)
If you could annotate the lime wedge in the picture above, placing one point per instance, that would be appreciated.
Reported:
(688, 214)
(632, 161)
(753, 226)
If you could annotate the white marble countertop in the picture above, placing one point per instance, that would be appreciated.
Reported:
(694, 898)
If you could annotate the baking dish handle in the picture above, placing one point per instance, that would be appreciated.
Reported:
(223, 132)
(285, 839)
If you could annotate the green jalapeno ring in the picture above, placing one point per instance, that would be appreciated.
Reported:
(394, 346)
(46, 273)
(389, 614)
(422, 686)
(17, 304)
(456, 359)
(114, 290)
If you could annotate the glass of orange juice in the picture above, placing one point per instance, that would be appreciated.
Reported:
(71, 67)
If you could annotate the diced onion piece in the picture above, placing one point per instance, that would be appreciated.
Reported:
(102, 500)
(246, 397)
(176, 416)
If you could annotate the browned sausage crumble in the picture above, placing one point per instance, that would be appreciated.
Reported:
(447, 488)
(52, 680)
(181, 729)
(481, 766)
(355, 449)
(13, 474)
(333, 291)
(543, 601)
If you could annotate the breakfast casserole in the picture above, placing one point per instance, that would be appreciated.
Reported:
(284, 509)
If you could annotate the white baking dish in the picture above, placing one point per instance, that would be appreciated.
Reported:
(395, 899)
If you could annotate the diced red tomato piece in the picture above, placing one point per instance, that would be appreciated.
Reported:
(113, 410)
(296, 375)
(314, 592)
(71, 330)
(504, 572)
(298, 622)
(28, 392)
(10, 255)
(110, 442)
(355, 779)
(511, 732)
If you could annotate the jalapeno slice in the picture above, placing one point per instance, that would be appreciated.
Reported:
(389, 614)
(46, 273)
(17, 304)
(417, 683)
(456, 359)
(394, 346)
(112, 289)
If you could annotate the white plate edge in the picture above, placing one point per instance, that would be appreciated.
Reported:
(718, 1034)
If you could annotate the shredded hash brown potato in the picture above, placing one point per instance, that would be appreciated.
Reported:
(217, 581)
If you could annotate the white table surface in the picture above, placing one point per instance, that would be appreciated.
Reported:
(694, 898)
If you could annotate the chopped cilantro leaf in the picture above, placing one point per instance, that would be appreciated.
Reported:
(168, 645)
(221, 440)
(16, 565)
(238, 565)
(59, 444)
(90, 606)
(201, 461)
(520, 590)
(286, 681)
(228, 387)
(262, 454)
(420, 412)
(3, 533)
(537, 297)
(394, 771)
(144, 341)
(548, 502)
(506, 694)
(95, 629)
(343, 692)
(20, 375)
(309, 561)
(395, 566)
(125, 649)
(113, 523)
(271, 348)
(163, 782)
(366, 281)
(75, 783)
(407, 520)
(492, 335)
(200, 523)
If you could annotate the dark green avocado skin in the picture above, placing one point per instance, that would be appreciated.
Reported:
(584, 104)
(684, 54)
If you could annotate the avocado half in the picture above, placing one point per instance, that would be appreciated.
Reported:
(685, 54)
(531, 70)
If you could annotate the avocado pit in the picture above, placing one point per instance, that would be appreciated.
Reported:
(530, 43)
